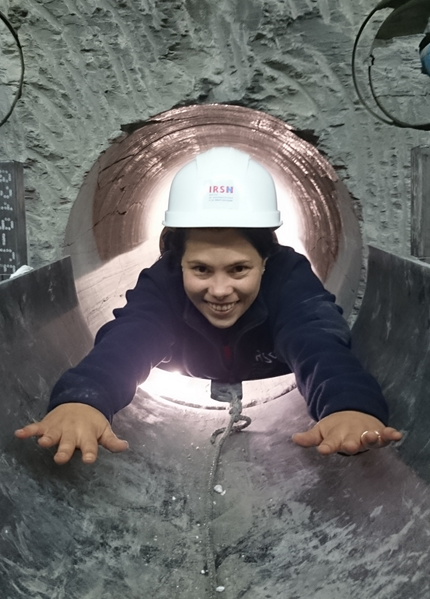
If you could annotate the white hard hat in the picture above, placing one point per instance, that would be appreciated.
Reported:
(223, 187)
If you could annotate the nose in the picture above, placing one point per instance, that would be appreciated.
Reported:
(220, 286)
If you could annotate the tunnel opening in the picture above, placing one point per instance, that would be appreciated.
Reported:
(115, 223)
(285, 515)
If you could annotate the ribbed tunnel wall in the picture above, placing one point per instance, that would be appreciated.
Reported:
(292, 524)
(115, 223)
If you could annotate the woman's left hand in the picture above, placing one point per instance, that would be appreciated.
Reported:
(347, 432)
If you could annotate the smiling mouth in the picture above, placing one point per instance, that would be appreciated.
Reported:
(222, 307)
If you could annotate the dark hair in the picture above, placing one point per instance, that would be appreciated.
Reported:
(263, 240)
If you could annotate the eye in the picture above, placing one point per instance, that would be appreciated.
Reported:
(240, 269)
(200, 269)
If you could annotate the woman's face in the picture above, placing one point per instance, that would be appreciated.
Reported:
(222, 274)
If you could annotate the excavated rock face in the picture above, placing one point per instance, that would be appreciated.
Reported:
(95, 65)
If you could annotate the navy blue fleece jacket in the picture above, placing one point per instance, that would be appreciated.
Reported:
(293, 325)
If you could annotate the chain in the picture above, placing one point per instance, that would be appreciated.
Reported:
(235, 417)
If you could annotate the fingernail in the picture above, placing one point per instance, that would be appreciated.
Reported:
(89, 458)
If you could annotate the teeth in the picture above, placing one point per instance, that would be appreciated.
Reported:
(222, 307)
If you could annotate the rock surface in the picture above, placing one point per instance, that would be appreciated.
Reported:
(92, 66)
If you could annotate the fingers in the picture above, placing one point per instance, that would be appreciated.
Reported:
(70, 442)
(88, 446)
(310, 438)
(348, 433)
(72, 427)
(66, 448)
(391, 434)
(351, 444)
(38, 429)
(31, 430)
(348, 445)
(111, 442)
(380, 438)
(328, 442)
(49, 440)
(340, 440)
(371, 439)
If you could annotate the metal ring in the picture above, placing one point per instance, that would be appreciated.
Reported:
(363, 440)
(18, 94)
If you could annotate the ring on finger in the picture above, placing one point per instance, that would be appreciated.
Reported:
(363, 437)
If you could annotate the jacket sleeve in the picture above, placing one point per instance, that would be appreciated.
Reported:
(313, 338)
(125, 351)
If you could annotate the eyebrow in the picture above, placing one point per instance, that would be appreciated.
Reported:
(202, 263)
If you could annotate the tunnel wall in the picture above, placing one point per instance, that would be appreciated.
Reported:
(42, 334)
(95, 65)
(291, 522)
(43, 331)
(91, 67)
(392, 339)
(112, 232)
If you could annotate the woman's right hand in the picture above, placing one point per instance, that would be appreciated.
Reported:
(74, 426)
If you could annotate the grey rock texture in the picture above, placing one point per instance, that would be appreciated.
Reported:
(94, 65)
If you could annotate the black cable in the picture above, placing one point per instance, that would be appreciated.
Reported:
(21, 57)
(354, 77)
(393, 120)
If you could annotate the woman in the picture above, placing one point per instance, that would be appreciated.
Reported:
(224, 302)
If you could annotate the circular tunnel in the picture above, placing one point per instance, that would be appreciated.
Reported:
(114, 227)
(115, 223)
(146, 522)
(288, 522)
